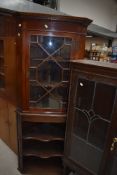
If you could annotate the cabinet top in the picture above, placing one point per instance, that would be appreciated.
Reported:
(29, 9)
(103, 68)
(95, 63)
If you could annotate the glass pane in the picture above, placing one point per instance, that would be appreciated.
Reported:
(85, 93)
(48, 102)
(49, 72)
(34, 38)
(60, 93)
(81, 124)
(32, 74)
(66, 75)
(51, 44)
(64, 52)
(68, 41)
(49, 67)
(98, 133)
(36, 52)
(85, 154)
(36, 92)
(35, 62)
(104, 100)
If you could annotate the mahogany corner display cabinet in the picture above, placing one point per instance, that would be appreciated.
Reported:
(91, 134)
(37, 49)
(36, 46)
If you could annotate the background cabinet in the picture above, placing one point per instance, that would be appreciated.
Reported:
(8, 96)
(91, 124)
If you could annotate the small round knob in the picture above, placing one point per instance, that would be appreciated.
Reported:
(46, 26)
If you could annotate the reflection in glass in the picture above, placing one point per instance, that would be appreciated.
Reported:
(51, 44)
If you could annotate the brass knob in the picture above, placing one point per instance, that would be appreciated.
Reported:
(113, 144)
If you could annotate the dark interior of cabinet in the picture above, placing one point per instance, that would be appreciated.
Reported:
(43, 131)
(42, 149)
(36, 166)
(2, 75)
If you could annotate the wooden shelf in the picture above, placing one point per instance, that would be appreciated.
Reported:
(44, 132)
(43, 137)
(43, 153)
(52, 118)
(43, 166)
(43, 150)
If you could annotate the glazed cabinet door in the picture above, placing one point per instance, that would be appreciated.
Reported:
(48, 68)
(91, 123)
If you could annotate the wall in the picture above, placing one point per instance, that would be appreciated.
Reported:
(102, 12)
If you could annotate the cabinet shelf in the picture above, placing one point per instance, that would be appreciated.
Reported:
(45, 118)
(44, 132)
(43, 153)
(42, 137)
(42, 149)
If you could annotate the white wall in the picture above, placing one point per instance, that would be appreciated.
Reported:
(102, 12)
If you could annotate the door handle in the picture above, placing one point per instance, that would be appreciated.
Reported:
(113, 144)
